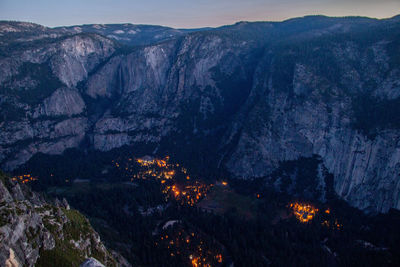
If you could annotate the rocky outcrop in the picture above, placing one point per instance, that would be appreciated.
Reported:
(92, 263)
(36, 233)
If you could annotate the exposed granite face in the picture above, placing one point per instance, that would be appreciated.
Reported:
(78, 55)
(49, 116)
(92, 263)
(31, 227)
(152, 85)
(24, 139)
(63, 102)
(261, 92)
(315, 115)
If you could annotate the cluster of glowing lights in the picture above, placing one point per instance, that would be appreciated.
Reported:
(147, 162)
(332, 224)
(189, 194)
(25, 178)
(303, 212)
(197, 262)
(306, 212)
(150, 168)
(195, 250)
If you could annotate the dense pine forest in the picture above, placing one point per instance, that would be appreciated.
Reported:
(158, 212)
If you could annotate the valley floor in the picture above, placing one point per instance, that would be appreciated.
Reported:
(157, 213)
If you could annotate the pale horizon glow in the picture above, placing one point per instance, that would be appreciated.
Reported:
(186, 14)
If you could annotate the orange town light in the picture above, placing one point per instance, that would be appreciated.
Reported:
(327, 211)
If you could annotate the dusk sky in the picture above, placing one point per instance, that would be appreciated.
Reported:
(186, 13)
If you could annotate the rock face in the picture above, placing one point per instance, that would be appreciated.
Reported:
(36, 233)
(92, 263)
(244, 97)
(317, 114)
(63, 101)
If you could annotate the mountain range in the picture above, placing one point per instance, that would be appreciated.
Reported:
(245, 98)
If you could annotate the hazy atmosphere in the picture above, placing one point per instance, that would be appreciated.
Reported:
(186, 14)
